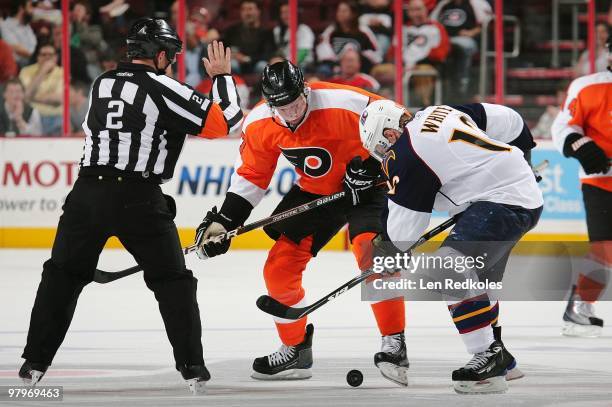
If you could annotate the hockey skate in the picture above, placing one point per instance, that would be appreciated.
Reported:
(485, 372)
(31, 373)
(579, 318)
(287, 363)
(513, 371)
(392, 360)
(196, 377)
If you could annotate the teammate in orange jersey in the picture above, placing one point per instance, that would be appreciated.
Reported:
(316, 127)
(583, 130)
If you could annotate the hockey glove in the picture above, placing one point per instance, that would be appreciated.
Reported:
(382, 250)
(360, 180)
(592, 158)
(209, 233)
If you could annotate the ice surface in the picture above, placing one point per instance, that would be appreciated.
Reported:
(117, 353)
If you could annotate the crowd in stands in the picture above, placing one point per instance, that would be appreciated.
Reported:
(341, 41)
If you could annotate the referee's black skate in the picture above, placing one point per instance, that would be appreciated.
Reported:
(196, 377)
(579, 318)
(485, 372)
(31, 372)
(287, 363)
(392, 360)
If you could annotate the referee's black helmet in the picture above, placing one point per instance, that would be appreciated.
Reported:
(282, 83)
(149, 36)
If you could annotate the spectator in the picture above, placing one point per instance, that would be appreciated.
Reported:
(583, 66)
(543, 128)
(108, 61)
(44, 86)
(87, 37)
(8, 66)
(79, 104)
(305, 38)
(45, 10)
(251, 43)
(18, 33)
(193, 61)
(16, 116)
(347, 30)
(78, 62)
(463, 22)
(426, 47)
(350, 65)
(376, 14)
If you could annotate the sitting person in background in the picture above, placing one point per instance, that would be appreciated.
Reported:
(8, 66)
(347, 30)
(17, 31)
(16, 116)
(583, 66)
(251, 43)
(78, 61)
(462, 20)
(376, 14)
(44, 87)
(79, 104)
(304, 38)
(350, 64)
(426, 47)
(87, 38)
(544, 124)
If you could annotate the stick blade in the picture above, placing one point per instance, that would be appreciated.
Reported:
(271, 306)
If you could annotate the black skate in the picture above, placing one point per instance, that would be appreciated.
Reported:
(579, 318)
(485, 372)
(31, 372)
(392, 360)
(513, 371)
(196, 377)
(287, 363)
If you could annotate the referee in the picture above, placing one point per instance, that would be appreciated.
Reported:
(137, 122)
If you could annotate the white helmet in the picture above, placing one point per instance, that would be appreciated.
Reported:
(378, 116)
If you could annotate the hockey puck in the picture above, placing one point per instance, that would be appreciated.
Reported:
(354, 378)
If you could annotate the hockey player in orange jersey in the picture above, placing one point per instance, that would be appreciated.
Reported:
(583, 130)
(316, 127)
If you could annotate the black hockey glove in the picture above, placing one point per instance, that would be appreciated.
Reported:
(234, 211)
(360, 179)
(209, 233)
(383, 250)
(592, 158)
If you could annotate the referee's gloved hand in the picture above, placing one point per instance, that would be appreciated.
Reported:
(592, 157)
(360, 180)
(209, 235)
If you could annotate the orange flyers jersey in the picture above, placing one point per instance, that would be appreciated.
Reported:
(587, 110)
(319, 148)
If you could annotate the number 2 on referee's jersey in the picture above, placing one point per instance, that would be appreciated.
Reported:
(113, 118)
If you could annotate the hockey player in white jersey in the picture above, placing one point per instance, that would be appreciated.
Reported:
(440, 159)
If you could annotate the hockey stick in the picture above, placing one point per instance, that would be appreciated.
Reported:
(271, 306)
(103, 277)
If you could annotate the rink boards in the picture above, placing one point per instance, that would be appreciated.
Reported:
(36, 174)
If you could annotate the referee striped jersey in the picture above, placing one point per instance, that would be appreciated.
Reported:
(138, 120)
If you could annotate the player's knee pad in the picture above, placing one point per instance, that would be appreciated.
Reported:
(363, 249)
(284, 267)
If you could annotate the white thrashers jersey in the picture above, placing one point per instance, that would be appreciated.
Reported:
(443, 161)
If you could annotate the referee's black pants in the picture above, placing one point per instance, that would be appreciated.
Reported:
(142, 218)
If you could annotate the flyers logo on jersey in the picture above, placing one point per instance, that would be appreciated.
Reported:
(313, 161)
